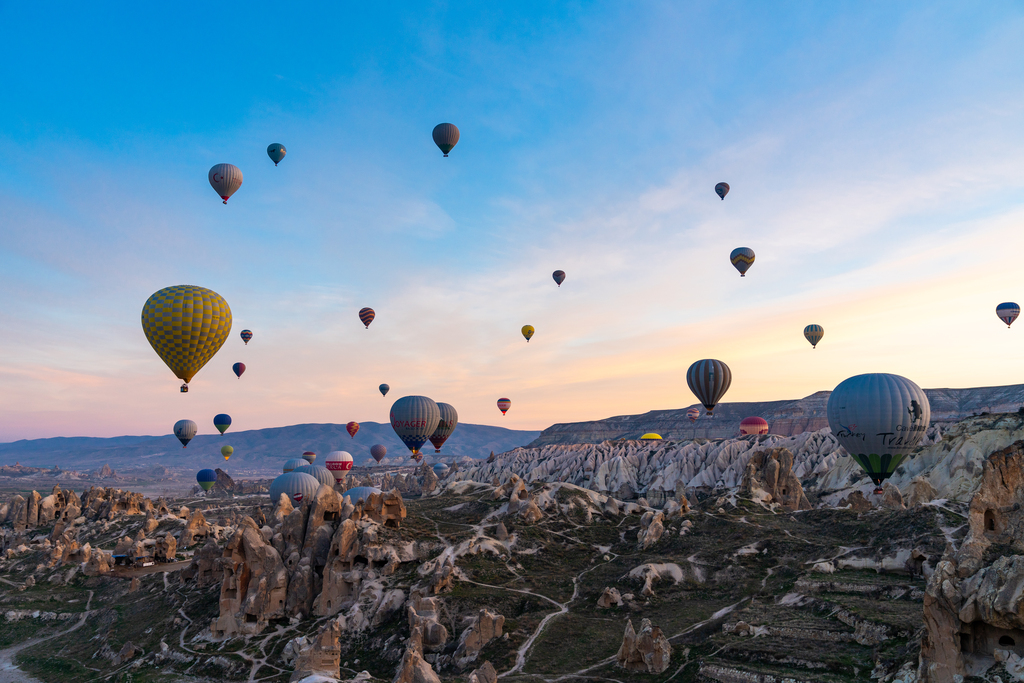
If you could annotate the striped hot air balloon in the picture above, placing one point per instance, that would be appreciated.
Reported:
(238, 369)
(276, 152)
(445, 426)
(225, 180)
(559, 277)
(879, 419)
(186, 325)
(298, 486)
(709, 379)
(503, 405)
(753, 425)
(742, 258)
(693, 414)
(291, 463)
(366, 316)
(1008, 312)
(446, 136)
(814, 333)
(414, 419)
(722, 189)
(246, 336)
(321, 474)
(309, 456)
(185, 430)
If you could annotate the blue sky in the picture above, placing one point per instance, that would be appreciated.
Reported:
(875, 154)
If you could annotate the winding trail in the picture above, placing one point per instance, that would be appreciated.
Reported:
(9, 671)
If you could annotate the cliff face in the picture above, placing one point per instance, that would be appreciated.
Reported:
(785, 418)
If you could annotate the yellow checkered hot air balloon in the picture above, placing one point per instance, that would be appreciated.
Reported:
(186, 325)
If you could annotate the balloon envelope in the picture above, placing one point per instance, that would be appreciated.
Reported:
(309, 456)
(338, 463)
(709, 379)
(225, 180)
(321, 474)
(276, 152)
(366, 316)
(226, 451)
(503, 405)
(651, 436)
(446, 136)
(753, 425)
(298, 486)
(445, 426)
(693, 414)
(722, 189)
(352, 428)
(238, 369)
(185, 430)
(528, 331)
(414, 419)
(206, 479)
(813, 334)
(559, 277)
(440, 469)
(292, 463)
(186, 325)
(358, 493)
(246, 336)
(1008, 312)
(222, 422)
(879, 419)
(378, 451)
(742, 258)
(384, 389)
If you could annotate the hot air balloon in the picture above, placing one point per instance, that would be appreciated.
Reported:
(339, 463)
(206, 479)
(414, 419)
(321, 474)
(298, 486)
(445, 426)
(185, 430)
(446, 136)
(813, 334)
(440, 470)
(722, 189)
(366, 316)
(246, 336)
(225, 180)
(222, 422)
(309, 456)
(361, 493)
(291, 463)
(1008, 312)
(709, 380)
(503, 405)
(649, 436)
(378, 451)
(226, 451)
(352, 428)
(879, 419)
(276, 152)
(238, 369)
(559, 277)
(384, 389)
(753, 425)
(693, 414)
(742, 258)
(186, 325)
(528, 332)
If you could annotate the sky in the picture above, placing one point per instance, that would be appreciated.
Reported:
(875, 153)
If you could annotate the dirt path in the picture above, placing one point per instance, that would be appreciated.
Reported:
(9, 671)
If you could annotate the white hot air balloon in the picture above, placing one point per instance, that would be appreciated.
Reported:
(225, 180)
(298, 485)
(879, 419)
(339, 463)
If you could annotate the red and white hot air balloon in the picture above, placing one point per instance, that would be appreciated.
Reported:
(225, 180)
(753, 425)
(339, 463)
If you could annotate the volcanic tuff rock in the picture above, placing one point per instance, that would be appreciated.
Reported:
(769, 478)
(485, 627)
(648, 651)
(255, 584)
(785, 418)
(322, 656)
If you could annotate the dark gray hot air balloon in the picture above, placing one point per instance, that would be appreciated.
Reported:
(446, 136)
(879, 419)
(185, 430)
(742, 258)
(414, 419)
(445, 426)
(298, 485)
(276, 152)
(722, 189)
(709, 379)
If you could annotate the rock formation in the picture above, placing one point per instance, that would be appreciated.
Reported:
(255, 584)
(648, 651)
(485, 627)
(769, 477)
(414, 668)
(196, 529)
(651, 528)
(322, 656)
(609, 598)
(424, 616)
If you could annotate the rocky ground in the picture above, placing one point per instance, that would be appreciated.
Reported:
(536, 579)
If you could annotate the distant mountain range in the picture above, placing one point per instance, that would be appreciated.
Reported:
(255, 450)
(786, 418)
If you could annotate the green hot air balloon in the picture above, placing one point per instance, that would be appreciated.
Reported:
(879, 419)
(226, 451)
